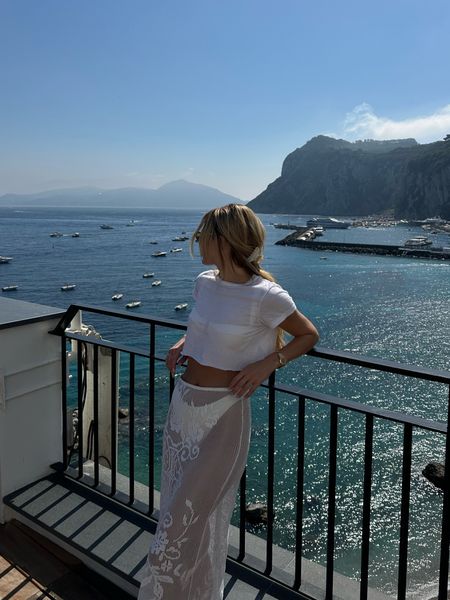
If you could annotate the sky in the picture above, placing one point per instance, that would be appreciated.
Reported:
(137, 93)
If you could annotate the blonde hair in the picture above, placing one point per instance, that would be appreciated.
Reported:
(245, 234)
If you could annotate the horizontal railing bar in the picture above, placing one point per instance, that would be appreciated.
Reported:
(381, 364)
(107, 344)
(74, 308)
(362, 408)
(318, 352)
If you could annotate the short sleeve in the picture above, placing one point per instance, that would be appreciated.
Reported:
(276, 306)
(198, 282)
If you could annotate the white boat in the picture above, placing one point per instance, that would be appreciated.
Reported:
(76, 234)
(159, 253)
(181, 306)
(318, 230)
(176, 250)
(180, 238)
(9, 288)
(133, 304)
(417, 242)
(327, 223)
(156, 282)
(148, 275)
(116, 296)
(56, 234)
(68, 286)
(5, 259)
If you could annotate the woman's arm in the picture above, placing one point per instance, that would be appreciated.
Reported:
(305, 336)
(173, 356)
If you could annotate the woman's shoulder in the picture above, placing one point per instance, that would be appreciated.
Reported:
(269, 286)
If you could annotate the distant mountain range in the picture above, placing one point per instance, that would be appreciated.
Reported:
(327, 176)
(177, 194)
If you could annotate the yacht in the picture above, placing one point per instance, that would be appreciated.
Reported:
(5, 259)
(159, 253)
(318, 230)
(68, 286)
(76, 234)
(181, 306)
(9, 288)
(116, 296)
(133, 304)
(156, 282)
(433, 221)
(56, 234)
(327, 223)
(148, 275)
(417, 242)
(176, 250)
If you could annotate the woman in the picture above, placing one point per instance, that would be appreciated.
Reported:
(232, 344)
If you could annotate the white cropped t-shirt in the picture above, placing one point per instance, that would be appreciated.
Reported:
(234, 324)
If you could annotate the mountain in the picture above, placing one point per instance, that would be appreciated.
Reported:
(335, 177)
(177, 194)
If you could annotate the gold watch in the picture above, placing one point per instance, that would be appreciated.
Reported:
(282, 362)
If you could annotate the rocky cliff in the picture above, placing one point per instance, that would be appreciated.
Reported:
(335, 177)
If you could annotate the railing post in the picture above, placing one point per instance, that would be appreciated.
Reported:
(445, 537)
(270, 475)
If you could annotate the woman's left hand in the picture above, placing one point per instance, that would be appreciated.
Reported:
(251, 376)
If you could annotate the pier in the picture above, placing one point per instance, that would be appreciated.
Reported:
(379, 249)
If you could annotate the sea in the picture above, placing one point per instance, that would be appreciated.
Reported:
(388, 307)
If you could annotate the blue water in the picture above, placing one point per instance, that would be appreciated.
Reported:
(389, 307)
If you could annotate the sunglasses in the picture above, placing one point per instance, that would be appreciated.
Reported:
(199, 233)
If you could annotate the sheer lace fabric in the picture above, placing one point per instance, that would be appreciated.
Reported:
(205, 447)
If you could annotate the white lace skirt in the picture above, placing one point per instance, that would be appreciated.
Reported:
(205, 447)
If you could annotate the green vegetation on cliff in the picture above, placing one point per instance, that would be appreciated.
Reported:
(335, 177)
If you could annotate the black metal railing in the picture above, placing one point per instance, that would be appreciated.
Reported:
(337, 406)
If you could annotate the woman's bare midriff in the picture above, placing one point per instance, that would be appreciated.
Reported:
(204, 376)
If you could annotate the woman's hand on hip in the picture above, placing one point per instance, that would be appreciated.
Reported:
(174, 356)
(251, 376)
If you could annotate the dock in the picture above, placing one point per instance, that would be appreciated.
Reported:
(378, 249)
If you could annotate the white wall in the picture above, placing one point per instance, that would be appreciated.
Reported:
(30, 404)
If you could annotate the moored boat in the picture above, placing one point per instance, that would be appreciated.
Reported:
(9, 288)
(5, 259)
(116, 297)
(133, 304)
(156, 282)
(68, 286)
(159, 253)
(327, 223)
(417, 241)
(181, 306)
(148, 275)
